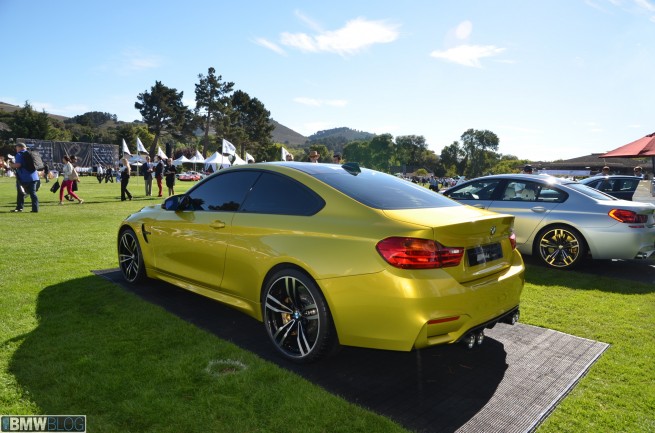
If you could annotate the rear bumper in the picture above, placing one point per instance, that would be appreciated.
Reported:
(405, 310)
(629, 243)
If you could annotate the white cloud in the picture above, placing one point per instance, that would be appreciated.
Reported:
(307, 101)
(464, 30)
(270, 45)
(308, 21)
(645, 4)
(133, 60)
(354, 37)
(468, 55)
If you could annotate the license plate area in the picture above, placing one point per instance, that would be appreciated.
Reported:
(484, 254)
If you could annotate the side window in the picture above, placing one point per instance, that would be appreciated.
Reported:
(224, 192)
(478, 190)
(521, 191)
(278, 194)
(629, 185)
(551, 195)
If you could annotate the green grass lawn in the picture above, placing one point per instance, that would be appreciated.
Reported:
(73, 343)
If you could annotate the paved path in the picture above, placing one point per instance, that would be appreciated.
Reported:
(643, 192)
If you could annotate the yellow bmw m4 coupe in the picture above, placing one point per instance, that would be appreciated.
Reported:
(327, 255)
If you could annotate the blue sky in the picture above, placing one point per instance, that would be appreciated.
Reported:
(553, 79)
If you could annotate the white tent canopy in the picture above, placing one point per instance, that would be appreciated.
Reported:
(197, 157)
(136, 159)
(181, 160)
(238, 160)
(216, 160)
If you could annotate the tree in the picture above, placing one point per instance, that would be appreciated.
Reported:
(508, 164)
(478, 146)
(250, 124)
(453, 159)
(162, 110)
(358, 151)
(212, 101)
(27, 123)
(382, 148)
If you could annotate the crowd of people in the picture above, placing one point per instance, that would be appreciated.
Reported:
(28, 181)
(161, 171)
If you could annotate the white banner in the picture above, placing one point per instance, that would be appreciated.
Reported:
(126, 151)
(139, 146)
(228, 148)
(285, 153)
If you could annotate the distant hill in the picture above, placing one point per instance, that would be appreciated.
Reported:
(346, 134)
(9, 108)
(284, 135)
(334, 138)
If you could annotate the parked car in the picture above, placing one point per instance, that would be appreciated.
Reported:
(190, 176)
(622, 187)
(328, 254)
(562, 221)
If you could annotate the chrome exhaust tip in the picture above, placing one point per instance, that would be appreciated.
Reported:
(470, 341)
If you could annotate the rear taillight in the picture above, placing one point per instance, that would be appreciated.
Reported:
(413, 253)
(627, 216)
(512, 240)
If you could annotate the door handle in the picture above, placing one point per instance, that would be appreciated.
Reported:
(217, 225)
(539, 209)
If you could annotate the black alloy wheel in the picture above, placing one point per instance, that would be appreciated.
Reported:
(130, 259)
(296, 317)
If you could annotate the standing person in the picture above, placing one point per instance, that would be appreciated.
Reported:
(159, 172)
(313, 156)
(527, 169)
(336, 158)
(604, 172)
(100, 173)
(70, 177)
(146, 170)
(46, 172)
(109, 174)
(26, 181)
(169, 173)
(638, 172)
(125, 179)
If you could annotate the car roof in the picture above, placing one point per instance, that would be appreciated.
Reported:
(611, 176)
(519, 176)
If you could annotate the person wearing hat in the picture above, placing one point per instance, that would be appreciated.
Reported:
(313, 156)
(638, 172)
(26, 181)
(527, 169)
(604, 172)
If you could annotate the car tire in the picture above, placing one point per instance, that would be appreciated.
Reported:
(560, 247)
(296, 317)
(130, 258)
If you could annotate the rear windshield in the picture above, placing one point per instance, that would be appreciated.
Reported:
(383, 191)
(591, 192)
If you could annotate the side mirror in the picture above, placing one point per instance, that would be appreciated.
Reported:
(173, 203)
